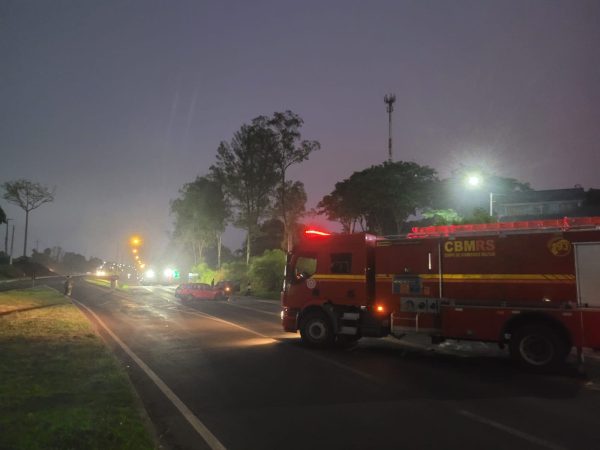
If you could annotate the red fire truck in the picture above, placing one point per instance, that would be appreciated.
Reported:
(533, 286)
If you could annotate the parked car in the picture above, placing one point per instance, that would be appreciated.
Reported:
(199, 291)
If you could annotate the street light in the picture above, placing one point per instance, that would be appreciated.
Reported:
(475, 180)
(135, 241)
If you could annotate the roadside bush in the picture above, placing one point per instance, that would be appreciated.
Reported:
(7, 271)
(29, 267)
(4, 258)
(205, 273)
(266, 271)
(236, 271)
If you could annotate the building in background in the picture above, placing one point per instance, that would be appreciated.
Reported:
(548, 204)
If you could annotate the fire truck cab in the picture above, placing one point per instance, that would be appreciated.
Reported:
(534, 286)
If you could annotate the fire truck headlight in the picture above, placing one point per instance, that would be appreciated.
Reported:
(379, 308)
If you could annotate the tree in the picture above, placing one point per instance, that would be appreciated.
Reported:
(442, 216)
(201, 212)
(266, 271)
(28, 196)
(74, 262)
(93, 264)
(247, 168)
(268, 237)
(289, 149)
(379, 199)
(44, 258)
(339, 207)
(3, 220)
(293, 197)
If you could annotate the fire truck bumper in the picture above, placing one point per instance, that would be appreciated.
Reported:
(289, 319)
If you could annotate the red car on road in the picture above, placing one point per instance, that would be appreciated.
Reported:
(199, 291)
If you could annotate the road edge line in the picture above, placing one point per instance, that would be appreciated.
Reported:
(210, 439)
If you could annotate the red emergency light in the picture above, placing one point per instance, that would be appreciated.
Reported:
(566, 223)
(311, 232)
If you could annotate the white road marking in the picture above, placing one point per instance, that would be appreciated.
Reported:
(217, 319)
(357, 372)
(200, 428)
(521, 434)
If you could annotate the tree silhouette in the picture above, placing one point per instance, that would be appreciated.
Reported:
(28, 196)
(247, 168)
(380, 198)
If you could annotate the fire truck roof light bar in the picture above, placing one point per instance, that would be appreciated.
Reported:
(316, 233)
(564, 224)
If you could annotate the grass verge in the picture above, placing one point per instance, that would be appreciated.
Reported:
(60, 387)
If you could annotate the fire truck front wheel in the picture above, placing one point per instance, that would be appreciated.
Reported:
(316, 330)
(538, 347)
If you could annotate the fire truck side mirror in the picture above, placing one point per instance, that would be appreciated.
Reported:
(300, 276)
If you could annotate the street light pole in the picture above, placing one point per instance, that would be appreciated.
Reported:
(12, 241)
(491, 204)
(6, 236)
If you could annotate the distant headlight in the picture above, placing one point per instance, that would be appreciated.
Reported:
(168, 273)
(150, 273)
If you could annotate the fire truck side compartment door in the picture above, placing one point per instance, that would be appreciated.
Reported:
(587, 263)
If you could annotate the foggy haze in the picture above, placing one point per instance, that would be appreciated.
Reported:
(119, 103)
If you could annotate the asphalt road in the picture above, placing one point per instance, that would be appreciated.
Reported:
(223, 374)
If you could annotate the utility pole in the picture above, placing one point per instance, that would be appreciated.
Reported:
(12, 241)
(6, 237)
(389, 101)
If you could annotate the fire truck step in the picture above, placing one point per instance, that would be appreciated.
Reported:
(348, 330)
(350, 316)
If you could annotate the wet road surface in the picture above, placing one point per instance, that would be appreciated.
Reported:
(223, 374)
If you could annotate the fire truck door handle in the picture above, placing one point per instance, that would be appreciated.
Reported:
(315, 292)
(351, 293)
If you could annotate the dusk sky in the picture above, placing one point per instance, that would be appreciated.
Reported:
(119, 103)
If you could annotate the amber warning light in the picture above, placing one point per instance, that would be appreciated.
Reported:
(316, 233)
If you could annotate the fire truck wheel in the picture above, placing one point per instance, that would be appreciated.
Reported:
(316, 330)
(538, 347)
